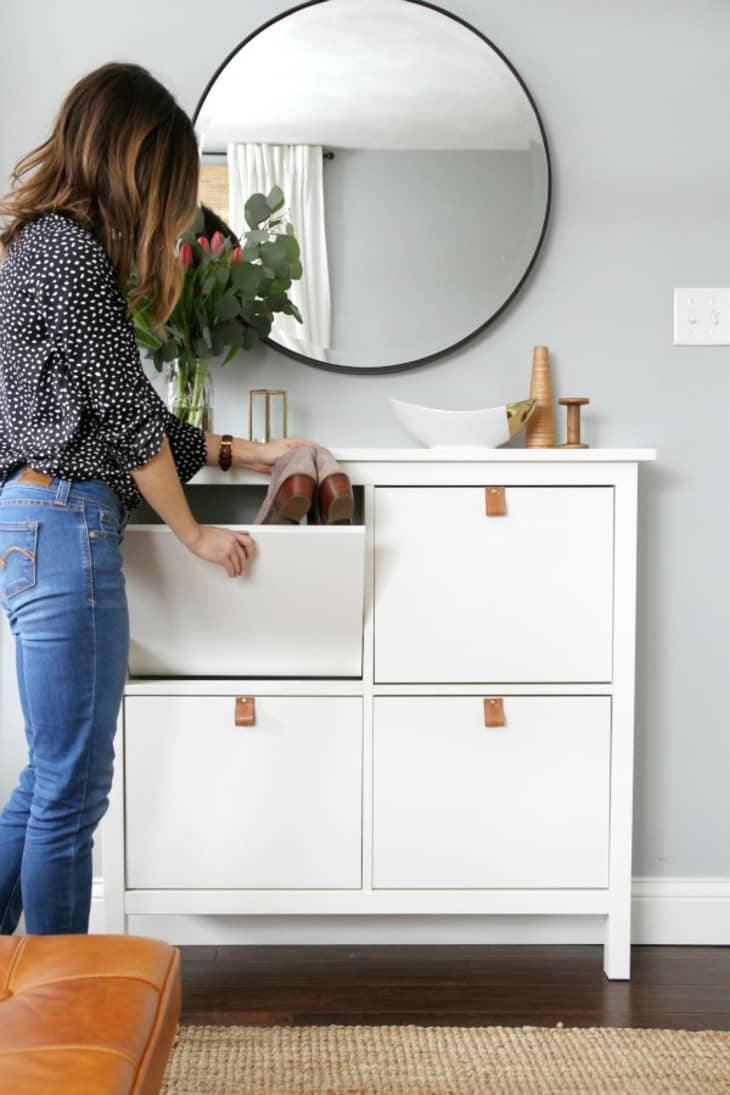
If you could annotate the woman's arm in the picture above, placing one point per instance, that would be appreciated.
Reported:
(160, 485)
(254, 455)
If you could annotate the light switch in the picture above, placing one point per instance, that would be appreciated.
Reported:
(702, 317)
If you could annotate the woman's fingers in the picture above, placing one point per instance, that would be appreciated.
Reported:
(247, 543)
(229, 549)
(242, 549)
(240, 558)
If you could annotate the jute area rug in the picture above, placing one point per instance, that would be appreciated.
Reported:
(413, 1060)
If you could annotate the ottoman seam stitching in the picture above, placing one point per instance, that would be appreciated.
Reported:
(163, 995)
(70, 1046)
(89, 977)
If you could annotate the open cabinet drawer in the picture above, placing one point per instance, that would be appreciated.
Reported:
(297, 611)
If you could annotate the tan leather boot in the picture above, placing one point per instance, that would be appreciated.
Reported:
(291, 490)
(335, 502)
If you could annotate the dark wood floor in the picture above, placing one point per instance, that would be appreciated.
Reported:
(671, 987)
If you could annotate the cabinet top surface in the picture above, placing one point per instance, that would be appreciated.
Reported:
(470, 453)
(452, 455)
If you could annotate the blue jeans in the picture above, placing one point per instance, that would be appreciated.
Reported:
(62, 588)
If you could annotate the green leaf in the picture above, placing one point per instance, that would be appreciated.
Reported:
(201, 316)
(289, 246)
(222, 274)
(202, 347)
(256, 210)
(246, 277)
(227, 307)
(199, 255)
(275, 199)
(146, 338)
(295, 271)
(280, 285)
(262, 325)
(268, 272)
(232, 353)
(272, 252)
(169, 350)
(250, 338)
(250, 253)
(226, 335)
(198, 226)
(290, 229)
(277, 301)
(257, 235)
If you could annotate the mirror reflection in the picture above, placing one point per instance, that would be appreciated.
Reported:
(413, 164)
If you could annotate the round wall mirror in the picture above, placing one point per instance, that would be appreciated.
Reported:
(414, 167)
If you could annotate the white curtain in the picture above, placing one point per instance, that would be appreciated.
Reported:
(297, 169)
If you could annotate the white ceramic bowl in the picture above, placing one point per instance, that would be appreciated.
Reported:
(434, 428)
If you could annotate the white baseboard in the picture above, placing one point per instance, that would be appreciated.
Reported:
(665, 911)
(675, 911)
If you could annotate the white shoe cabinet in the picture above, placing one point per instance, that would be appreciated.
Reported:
(438, 702)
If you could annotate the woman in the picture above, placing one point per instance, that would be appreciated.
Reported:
(82, 436)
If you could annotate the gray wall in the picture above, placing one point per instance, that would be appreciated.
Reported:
(633, 97)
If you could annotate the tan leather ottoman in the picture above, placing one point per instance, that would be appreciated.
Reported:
(88, 1014)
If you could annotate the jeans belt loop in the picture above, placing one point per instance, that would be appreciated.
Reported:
(64, 489)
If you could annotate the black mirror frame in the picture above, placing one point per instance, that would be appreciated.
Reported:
(378, 370)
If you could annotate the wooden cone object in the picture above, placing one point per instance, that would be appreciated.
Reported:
(541, 425)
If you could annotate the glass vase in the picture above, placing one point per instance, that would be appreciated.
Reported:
(190, 392)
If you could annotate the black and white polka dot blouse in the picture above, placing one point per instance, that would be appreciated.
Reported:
(74, 397)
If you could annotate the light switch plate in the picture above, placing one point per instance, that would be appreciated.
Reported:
(702, 317)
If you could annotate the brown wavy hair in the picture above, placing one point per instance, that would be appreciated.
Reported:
(122, 161)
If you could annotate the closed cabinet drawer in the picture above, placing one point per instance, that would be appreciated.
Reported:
(297, 611)
(460, 805)
(463, 597)
(275, 805)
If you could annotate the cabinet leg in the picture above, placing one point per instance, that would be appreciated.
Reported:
(617, 947)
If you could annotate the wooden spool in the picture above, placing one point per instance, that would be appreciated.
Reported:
(574, 405)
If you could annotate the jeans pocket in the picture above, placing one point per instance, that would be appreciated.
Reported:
(104, 523)
(17, 557)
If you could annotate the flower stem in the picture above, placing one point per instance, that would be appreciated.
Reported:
(200, 370)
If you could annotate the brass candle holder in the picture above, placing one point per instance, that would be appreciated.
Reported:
(267, 414)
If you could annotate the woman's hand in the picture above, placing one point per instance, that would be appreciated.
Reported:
(229, 549)
(265, 454)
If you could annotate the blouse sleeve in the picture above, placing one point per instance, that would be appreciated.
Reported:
(189, 448)
(87, 319)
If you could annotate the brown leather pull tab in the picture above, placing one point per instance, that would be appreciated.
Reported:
(496, 501)
(245, 711)
(494, 712)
